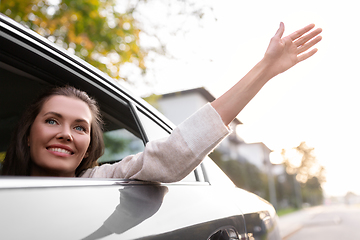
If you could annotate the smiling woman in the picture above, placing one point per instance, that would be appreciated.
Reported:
(59, 137)
(56, 135)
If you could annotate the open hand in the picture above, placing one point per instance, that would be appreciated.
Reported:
(283, 53)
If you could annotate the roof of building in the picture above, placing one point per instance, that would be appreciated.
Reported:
(202, 91)
(205, 93)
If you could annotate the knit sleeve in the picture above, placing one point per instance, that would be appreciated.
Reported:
(172, 158)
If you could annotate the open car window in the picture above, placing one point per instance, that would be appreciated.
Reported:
(19, 89)
(123, 134)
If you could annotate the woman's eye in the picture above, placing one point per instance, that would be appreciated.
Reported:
(51, 121)
(80, 128)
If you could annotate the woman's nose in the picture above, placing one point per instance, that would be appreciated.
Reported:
(65, 134)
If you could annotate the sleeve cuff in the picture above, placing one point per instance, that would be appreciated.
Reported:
(204, 130)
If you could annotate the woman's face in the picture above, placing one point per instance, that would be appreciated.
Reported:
(59, 137)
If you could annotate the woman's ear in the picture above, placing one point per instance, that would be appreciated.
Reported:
(86, 155)
(28, 141)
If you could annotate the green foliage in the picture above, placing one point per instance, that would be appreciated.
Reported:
(285, 190)
(2, 156)
(311, 192)
(304, 169)
(285, 211)
(243, 174)
(106, 33)
(153, 100)
(247, 176)
(115, 144)
(92, 29)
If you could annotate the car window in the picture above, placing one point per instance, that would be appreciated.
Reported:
(120, 143)
(19, 89)
(122, 135)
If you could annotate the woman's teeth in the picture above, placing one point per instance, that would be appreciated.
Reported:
(61, 150)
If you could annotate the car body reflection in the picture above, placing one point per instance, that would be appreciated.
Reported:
(136, 205)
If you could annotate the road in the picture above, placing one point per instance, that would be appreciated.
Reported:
(332, 222)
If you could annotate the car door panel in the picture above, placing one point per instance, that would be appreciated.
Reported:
(149, 211)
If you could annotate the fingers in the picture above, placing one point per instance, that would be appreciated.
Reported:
(308, 45)
(305, 42)
(306, 38)
(306, 55)
(295, 35)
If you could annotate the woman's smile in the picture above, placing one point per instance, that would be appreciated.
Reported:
(62, 151)
(60, 136)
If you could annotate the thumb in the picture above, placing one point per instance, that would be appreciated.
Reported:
(280, 31)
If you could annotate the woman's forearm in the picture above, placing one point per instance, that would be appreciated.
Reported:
(236, 98)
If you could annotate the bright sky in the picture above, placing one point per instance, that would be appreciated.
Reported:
(317, 101)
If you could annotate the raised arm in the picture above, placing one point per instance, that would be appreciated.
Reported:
(282, 54)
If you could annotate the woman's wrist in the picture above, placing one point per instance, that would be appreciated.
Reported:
(267, 67)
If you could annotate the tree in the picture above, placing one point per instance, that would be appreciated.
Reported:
(102, 32)
(302, 164)
(93, 30)
(285, 191)
(312, 191)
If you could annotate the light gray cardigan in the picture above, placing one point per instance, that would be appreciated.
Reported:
(172, 158)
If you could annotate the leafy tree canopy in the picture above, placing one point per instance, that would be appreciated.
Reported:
(91, 29)
(105, 33)
(303, 162)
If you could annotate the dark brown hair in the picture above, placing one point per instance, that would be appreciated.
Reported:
(18, 161)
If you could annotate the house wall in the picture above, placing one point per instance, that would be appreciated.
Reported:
(255, 153)
(180, 106)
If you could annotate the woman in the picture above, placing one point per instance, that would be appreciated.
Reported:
(60, 135)
(22, 156)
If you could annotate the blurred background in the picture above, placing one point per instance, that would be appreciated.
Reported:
(296, 144)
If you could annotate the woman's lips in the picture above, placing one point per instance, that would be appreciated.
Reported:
(59, 150)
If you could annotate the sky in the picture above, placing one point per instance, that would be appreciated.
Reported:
(317, 101)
